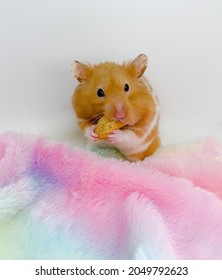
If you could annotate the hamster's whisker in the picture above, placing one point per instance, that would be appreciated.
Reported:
(95, 118)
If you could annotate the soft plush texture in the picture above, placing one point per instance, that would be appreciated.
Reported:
(63, 203)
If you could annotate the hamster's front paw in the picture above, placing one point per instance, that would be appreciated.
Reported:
(90, 133)
(116, 136)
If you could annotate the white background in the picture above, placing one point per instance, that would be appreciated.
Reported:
(40, 38)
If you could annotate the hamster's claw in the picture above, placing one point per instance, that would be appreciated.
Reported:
(90, 133)
(113, 137)
(93, 135)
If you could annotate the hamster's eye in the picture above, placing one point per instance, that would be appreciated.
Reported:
(126, 87)
(100, 92)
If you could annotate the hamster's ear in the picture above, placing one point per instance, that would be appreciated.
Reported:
(139, 65)
(80, 71)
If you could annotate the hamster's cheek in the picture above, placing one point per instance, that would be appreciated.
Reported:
(131, 119)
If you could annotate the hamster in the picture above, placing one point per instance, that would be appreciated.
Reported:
(118, 92)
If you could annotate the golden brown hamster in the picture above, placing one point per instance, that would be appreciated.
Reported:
(119, 92)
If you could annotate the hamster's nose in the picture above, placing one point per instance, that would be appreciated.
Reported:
(120, 115)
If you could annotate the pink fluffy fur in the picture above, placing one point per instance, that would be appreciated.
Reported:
(167, 207)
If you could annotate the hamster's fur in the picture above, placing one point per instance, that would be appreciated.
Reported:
(118, 92)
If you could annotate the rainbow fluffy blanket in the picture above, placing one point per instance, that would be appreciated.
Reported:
(59, 203)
